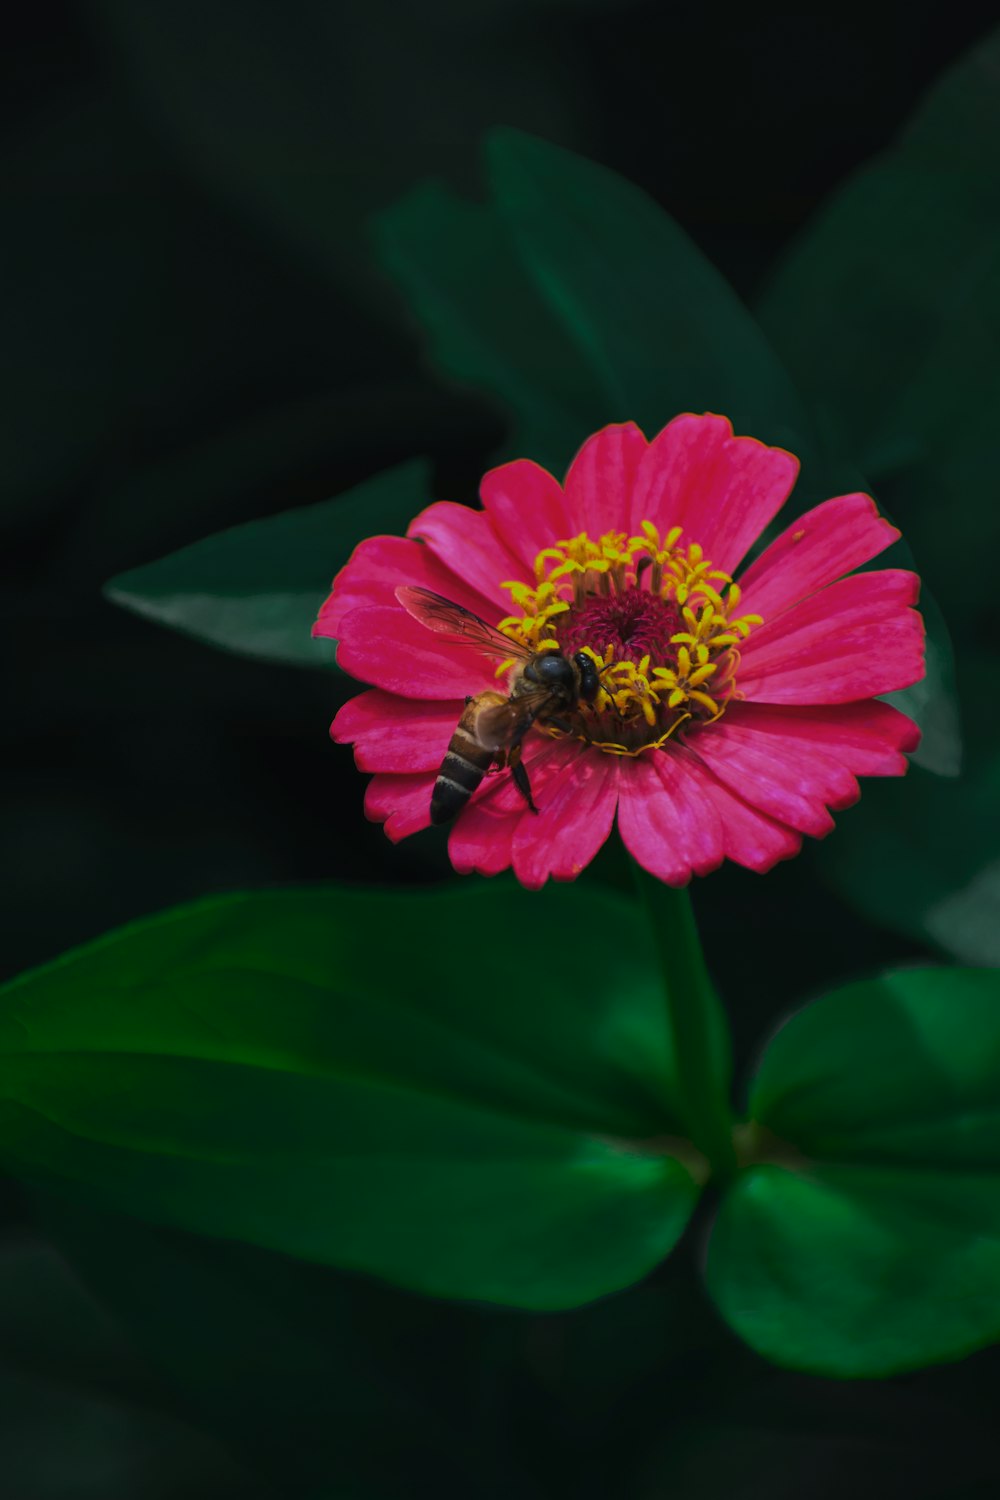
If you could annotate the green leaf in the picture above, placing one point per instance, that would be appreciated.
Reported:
(864, 1238)
(887, 312)
(256, 589)
(661, 329)
(407, 1084)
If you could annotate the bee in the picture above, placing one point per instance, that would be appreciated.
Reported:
(545, 687)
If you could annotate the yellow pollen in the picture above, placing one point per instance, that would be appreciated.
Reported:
(640, 704)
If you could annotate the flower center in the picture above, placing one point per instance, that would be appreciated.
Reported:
(658, 620)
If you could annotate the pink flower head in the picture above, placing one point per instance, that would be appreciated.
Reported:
(730, 717)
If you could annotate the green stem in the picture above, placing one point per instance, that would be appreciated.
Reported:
(698, 1023)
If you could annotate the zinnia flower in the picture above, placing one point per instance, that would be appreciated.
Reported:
(732, 716)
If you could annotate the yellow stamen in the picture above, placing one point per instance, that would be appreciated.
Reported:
(699, 677)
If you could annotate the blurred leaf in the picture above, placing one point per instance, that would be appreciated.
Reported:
(50, 1327)
(376, 1081)
(79, 1416)
(140, 313)
(865, 1239)
(661, 329)
(933, 701)
(257, 588)
(578, 301)
(299, 1370)
(308, 120)
(924, 860)
(887, 311)
(772, 1438)
(486, 323)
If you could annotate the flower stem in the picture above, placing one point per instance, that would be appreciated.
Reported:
(698, 1025)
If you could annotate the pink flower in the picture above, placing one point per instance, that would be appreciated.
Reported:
(731, 716)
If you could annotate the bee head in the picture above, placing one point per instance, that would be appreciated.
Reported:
(589, 678)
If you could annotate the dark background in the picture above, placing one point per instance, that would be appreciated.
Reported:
(196, 333)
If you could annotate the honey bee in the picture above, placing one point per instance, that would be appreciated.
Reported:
(545, 688)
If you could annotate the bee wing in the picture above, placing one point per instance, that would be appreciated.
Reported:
(498, 723)
(457, 623)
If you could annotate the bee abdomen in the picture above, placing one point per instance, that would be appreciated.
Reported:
(458, 777)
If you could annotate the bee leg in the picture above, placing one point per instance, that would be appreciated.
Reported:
(567, 728)
(520, 775)
(519, 772)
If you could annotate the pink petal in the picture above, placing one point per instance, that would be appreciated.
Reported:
(391, 650)
(854, 639)
(693, 820)
(467, 543)
(601, 479)
(375, 569)
(396, 734)
(749, 836)
(664, 824)
(402, 803)
(527, 508)
(866, 737)
(575, 790)
(723, 490)
(818, 548)
(790, 782)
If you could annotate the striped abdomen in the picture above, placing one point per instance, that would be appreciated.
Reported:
(481, 733)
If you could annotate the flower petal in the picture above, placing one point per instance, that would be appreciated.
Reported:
(527, 508)
(854, 639)
(601, 479)
(664, 824)
(402, 803)
(776, 775)
(866, 737)
(391, 650)
(693, 820)
(832, 539)
(576, 790)
(390, 733)
(376, 567)
(750, 838)
(466, 542)
(723, 490)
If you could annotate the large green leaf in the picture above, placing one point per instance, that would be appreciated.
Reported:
(451, 1090)
(864, 1238)
(887, 312)
(256, 589)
